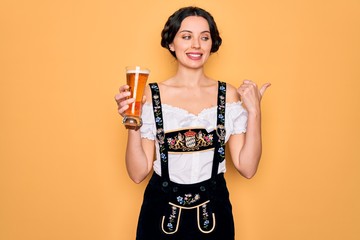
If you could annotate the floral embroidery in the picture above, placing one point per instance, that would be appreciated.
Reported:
(188, 199)
(163, 156)
(205, 216)
(190, 141)
(159, 121)
(172, 218)
(160, 136)
(221, 152)
(220, 131)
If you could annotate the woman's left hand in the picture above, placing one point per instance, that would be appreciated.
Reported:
(251, 95)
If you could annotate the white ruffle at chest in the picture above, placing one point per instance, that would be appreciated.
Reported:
(193, 167)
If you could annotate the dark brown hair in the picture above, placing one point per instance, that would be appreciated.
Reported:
(173, 24)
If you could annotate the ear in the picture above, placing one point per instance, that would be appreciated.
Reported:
(171, 47)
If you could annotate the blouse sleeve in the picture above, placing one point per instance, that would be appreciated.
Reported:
(148, 129)
(237, 118)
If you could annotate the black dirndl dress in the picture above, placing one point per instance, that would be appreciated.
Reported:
(200, 211)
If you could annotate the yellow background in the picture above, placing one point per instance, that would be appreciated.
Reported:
(62, 172)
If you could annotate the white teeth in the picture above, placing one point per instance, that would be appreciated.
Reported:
(195, 55)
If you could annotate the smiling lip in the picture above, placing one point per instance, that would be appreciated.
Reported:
(194, 56)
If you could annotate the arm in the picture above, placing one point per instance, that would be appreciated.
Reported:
(139, 156)
(245, 149)
(139, 151)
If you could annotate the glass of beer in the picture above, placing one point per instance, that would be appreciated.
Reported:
(136, 78)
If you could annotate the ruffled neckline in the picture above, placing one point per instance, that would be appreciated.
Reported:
(180, 110)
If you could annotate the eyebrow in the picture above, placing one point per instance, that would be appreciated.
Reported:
(206, 31)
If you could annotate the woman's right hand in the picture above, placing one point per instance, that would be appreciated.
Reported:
(122, 99)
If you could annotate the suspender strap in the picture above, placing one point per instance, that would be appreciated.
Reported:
(160, 134)
(219, 151)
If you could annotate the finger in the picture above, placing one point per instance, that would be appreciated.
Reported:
(144, 99)
(126, 102)
(122, 110)
(263, 88)
(123, 92)
(249, 82)
(241, 89)
(117, 97)
(122, 95)
(244, 88)
(122, 106)
(124, 88)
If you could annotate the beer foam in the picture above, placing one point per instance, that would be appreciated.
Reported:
(138, 70)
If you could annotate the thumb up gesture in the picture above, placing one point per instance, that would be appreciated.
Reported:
(251, 95)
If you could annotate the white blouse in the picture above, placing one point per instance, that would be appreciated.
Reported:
(193, 167)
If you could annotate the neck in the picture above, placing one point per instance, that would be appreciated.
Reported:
(190, 77)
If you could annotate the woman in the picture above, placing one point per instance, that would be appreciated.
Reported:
(187, 119)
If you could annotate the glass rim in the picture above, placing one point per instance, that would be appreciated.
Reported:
(137, 69)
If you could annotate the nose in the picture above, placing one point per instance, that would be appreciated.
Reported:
(195, 43)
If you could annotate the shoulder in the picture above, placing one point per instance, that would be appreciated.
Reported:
(147, 93)
(231, 93)
(163, 87)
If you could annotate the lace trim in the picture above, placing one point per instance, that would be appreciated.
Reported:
(148, 137)
(182, 111)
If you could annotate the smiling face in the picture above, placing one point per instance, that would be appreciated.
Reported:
(192, 43)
